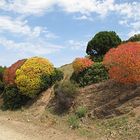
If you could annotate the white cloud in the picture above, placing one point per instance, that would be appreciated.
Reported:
(36, 7)
(19, 27)
(34, 48)
(27, 7)
(130, 16)
(83, 17)
(76, 45)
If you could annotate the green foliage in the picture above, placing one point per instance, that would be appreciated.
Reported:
(57, 75)
(67, 88)
(2, 69)
(49, 80)
(94, 74)
(73, 121)
(102, 42)
(81, 111)
(1, 87)
(134, 38)
(13, 99)
(65, 93)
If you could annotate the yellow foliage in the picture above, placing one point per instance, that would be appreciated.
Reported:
(28, 77)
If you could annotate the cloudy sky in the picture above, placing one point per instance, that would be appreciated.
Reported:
(60, 29)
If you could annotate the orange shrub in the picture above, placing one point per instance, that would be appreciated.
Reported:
(79, 64)
(123, 63)
(10, 73)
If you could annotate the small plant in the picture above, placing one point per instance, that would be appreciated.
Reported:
(81, 111)
(73, 122)
(65, 93)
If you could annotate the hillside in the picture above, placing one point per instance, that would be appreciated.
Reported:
(113, 112)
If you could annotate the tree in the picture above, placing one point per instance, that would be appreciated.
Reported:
(134, 38)
(100, 44)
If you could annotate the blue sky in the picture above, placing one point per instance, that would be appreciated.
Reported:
(60, 29)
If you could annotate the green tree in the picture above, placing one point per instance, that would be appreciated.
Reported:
(134, 38)
(102, 42)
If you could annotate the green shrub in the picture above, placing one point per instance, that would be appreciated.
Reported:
(81, 112)
(49, 80)
(65, 93)
(73, 121)
(2, 69)
(12, 99)
(1, 87)
(94, 74)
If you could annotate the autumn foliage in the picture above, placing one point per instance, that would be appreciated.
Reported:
(28, 76)
(10, 73)
(80, 64)
(123, 63)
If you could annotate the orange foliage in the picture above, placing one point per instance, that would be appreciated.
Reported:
(10, 73)
(79, 64)
(123, 63)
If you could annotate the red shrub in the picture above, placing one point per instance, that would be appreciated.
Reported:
(79, 64)
(123, 63)
(10, 73)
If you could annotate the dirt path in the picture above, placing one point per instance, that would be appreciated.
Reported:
(15, 130)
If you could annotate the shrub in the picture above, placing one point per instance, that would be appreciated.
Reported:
(10, 73)
(80, 64)
(12, 99)
(1, 87)
(102, 42)
(65, 93)
(73, 121)
(81, 112)
(96, 73)
(123, 63)
(2, 69)
(134, 38)
(28, 76)
(48, 80)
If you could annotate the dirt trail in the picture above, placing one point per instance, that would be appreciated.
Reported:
(15, 130)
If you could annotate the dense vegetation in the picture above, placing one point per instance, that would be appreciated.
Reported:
(94, 74)
(100, 44)
(123, 63)
(25, 79)
(134, 38)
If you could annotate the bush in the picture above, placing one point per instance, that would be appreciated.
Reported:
(73, 122)
(2, 69)
(134, 38)
(80, 64)
(123, 63)
(10, 73)
(1, 87)
(28, 76)
(65, 94)
(94, 74)
(48, 80)
(81, 112)
(12, 99)
(102, 42)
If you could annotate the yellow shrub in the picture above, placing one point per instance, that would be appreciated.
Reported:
(28, 77)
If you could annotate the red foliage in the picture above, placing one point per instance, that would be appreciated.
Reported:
(79, 64)
(123, 63)
(10, 73)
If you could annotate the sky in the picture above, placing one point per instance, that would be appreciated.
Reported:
(60, 29)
